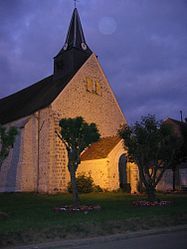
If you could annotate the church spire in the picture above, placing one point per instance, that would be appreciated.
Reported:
(75, 50)
(75, 37)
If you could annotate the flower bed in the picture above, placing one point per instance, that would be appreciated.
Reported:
(145, 203)
(83, 208)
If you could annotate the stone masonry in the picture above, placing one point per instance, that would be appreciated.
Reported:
(40, 158)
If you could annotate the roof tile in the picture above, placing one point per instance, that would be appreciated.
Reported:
(100, 149)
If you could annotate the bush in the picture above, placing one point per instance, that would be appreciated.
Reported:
(97, 189)
(84, 184)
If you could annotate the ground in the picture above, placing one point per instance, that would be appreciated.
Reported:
(31, 218)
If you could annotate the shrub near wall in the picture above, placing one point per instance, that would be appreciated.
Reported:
(85, 184)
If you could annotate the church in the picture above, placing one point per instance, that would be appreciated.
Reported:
(78, 86)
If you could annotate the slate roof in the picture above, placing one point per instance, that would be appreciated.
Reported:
(42, 93)
(31, 99)
(101, 148)
(75, 36)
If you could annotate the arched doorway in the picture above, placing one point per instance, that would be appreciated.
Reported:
(122, 167)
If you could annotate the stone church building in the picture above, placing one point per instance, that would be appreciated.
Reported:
(77, 87)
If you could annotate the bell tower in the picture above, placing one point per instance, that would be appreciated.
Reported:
(75, 50)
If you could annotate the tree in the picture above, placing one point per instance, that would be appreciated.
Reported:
(76, 134)
(152, 146)
(7, 138)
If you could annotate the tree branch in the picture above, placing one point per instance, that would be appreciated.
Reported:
(60, 137)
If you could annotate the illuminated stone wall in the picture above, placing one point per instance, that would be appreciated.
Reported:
(88, 95)
(105, 172)
(28, 156)
(113, 167)
(59, 175)
(77, 99)
(98, 170)
(19, 169)
(133, 177)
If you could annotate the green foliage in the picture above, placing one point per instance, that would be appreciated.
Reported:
(97, 189)
(85, 184)
(152, 146)
(77, 133)
(148, 141)
(7, 138)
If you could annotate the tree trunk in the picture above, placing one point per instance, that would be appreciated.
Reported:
(151, 193)
(140, 185)
(74, 188)
(174, 179)
(142, 179)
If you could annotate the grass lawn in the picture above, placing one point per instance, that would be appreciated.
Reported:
(31, 217)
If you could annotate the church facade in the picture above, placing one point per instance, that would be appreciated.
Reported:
(77, 87)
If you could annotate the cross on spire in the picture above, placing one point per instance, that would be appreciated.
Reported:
(75, 3)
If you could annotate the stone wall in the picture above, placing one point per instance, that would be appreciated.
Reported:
(28, 168)
(133, 177)
(105, 171)
(79, 99)
(113, 167)
(183, 177)
(9, 174)
(165, 184)
(28, 156)
(45, 155)
(19, 169)
(59, 176)
(97, 169)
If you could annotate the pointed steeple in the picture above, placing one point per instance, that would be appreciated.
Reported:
(75, 50)
(75, 37)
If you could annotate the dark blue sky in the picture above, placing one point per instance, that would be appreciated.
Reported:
(141, 44)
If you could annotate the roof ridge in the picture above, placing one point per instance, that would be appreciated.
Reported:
(26, 88)
(101, 148)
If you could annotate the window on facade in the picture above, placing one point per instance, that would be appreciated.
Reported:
(89, 84)
(93, 86)
(97, 87)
